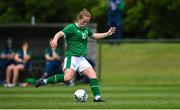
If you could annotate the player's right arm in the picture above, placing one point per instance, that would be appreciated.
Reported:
(54, 41)
(67, 31)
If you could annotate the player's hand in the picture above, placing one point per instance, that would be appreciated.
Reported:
(111, 31)
(53, 43)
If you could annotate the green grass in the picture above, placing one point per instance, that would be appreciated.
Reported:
(141, 64)
(134, 76)
(116, 97)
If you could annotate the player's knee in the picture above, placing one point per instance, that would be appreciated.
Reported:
(92, 75)
(67, 78)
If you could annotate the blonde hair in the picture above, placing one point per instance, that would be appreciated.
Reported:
(82, 13)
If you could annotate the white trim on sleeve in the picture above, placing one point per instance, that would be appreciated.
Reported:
(92, 36)
(64, 34)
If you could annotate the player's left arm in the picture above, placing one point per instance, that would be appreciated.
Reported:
(105, 34)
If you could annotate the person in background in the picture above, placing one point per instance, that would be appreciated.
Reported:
(22, 62)
(53, 61)
(115, 19)
(6, 58)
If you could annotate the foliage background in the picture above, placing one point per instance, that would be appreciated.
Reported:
(141, 18)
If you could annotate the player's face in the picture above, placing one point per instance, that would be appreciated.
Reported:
(84, 21)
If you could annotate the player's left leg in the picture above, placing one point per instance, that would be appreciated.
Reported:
(93, 83)
(87, 70)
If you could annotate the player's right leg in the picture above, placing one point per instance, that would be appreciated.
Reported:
(67, 76)
(69, 72)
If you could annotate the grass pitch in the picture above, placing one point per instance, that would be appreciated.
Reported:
(135, 76)
(59, 97)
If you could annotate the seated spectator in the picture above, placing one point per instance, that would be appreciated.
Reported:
(6, 58)
(53, 62)
(22, 62)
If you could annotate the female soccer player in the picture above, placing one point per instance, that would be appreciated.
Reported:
(76, 35)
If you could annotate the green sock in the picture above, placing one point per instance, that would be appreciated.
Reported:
(55, 79)
(95, 87)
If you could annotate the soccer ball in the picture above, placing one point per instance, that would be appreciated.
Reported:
(80, 95)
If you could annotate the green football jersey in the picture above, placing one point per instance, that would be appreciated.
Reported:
(77, 39)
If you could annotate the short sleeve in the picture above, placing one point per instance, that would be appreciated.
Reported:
(90, 33)
(67, 30)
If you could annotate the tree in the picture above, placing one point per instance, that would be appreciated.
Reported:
(48, 11)
(153, 18)
(142, 18)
